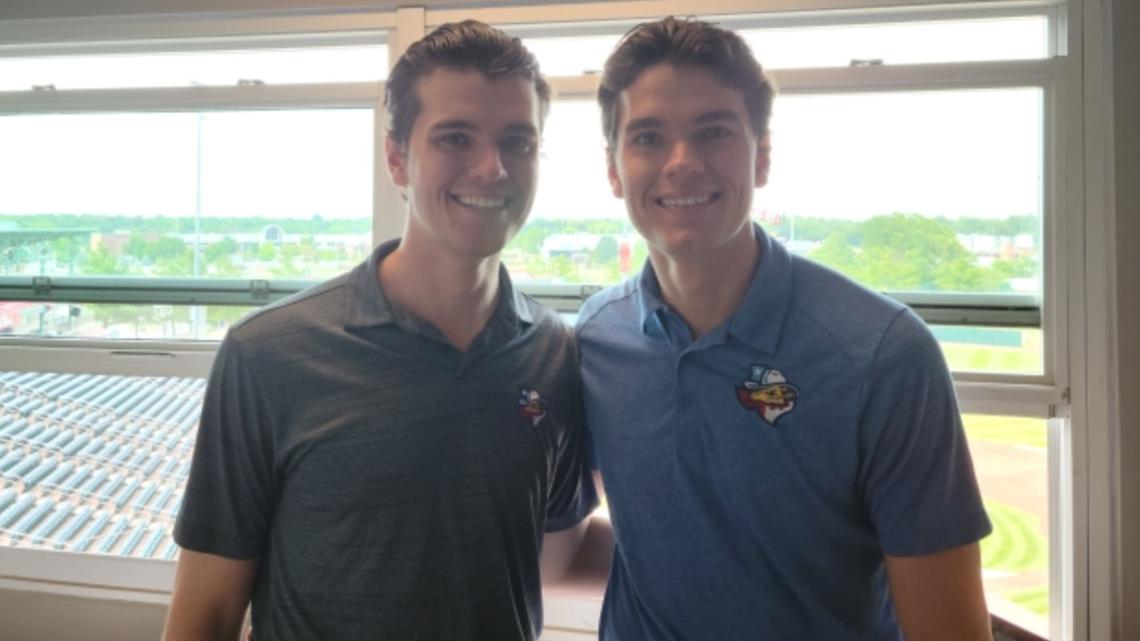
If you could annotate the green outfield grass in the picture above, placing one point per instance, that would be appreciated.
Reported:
(1015, 544)
(1009, 430)
(1035, 599)
(989, 358)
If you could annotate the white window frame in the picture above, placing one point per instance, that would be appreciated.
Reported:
(1081, 537)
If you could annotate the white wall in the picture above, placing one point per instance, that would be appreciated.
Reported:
(32, 616)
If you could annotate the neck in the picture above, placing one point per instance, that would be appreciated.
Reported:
(457, 295)
(706, 290)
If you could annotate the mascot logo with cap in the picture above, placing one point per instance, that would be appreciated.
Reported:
(768, 393)
(531, 406)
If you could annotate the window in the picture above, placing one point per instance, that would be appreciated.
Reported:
(841, 45)
(926, 191)
(267, 182)
(1010, 459)
(95, 463)
(156, 188)
(195, 68)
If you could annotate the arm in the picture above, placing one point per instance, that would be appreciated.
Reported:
(939, 597)
(210, 597)
(578, 559)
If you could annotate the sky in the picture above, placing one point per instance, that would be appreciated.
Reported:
(948, 153)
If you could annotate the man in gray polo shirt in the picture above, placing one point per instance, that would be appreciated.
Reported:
(380, 456)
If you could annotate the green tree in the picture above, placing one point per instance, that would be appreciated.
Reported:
(167, 247)
(837, 253)
(100, 262)
(175, 265)
(136, 247)
(66, 250)
(133, 315)
(226, 247)
(225, 315)
(638, 255)
(529, 239)
(223, 267)
(912, 252)
(605, 251)
(565, 269)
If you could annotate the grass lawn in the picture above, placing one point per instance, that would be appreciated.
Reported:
(1015, 544)
(969, 357)
(1009, 430)
(1035, 599)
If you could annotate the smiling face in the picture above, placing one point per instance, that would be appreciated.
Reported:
(470, 165)
(686, 160)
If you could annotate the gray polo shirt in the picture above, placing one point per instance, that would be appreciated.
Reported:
(391, 485)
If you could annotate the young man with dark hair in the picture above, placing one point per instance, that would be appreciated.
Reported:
(380, 456)
(790, 463)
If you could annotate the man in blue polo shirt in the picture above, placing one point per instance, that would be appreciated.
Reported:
(781, 448)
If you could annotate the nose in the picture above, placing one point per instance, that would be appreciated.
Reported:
(683, 161)
(487, 165)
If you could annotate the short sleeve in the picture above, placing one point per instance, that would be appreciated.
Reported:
(572, 496)
(917, 476)
(230, 493)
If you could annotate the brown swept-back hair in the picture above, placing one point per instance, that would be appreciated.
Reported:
(685, 41)
(467, 45)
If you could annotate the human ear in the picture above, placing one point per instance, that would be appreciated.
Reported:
(611, 170)
(397, 158)
(763, 159)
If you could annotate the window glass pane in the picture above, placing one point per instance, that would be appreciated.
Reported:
(1012, 466)
(118, 321)
(95, 463)
(1017, 38)
(266, 194)
(577, 231)
(572, 55)
(919, 191)
(901, 43)
(936, 191)
(1002, 350)
(194, 68)
(925, 191)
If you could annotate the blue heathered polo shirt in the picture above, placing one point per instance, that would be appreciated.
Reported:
(757, 476)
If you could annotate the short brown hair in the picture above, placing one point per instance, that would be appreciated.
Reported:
(685, 41)
(467, 45)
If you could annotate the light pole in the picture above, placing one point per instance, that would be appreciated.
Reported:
(196, 310)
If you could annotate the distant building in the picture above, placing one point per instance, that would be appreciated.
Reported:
(570, 245)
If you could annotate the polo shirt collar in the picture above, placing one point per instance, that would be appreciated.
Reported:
(649, 299)
(366, 304)
(759, 321)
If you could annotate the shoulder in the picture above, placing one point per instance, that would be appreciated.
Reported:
(614, 303)
(543, 318)
(856, 319)
(319, 306)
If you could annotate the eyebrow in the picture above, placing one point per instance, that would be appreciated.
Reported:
(457, 123)
(649, 122)
(525, 129)
(466, 125)
(717, 116)
(652, 122)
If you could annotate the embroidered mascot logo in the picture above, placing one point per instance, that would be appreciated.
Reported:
(768, 393)
(532, 406)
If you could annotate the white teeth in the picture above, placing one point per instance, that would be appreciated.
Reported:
(482, 202)
(685, 202)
